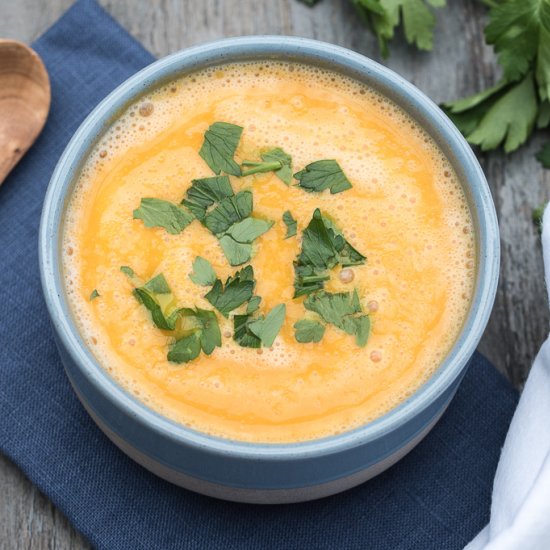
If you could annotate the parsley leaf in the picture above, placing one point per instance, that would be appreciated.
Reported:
(205, 334)
(220, 143)
(323, 247)
(291, 224)
(242, 333)
(229, 211)
(237, 290)
(308, 331)
(275, 160)
(321, 175)
(95, 294)
(226, 215)
(543, 156)
(161, 213)
(383, 16)
(340, 309)
(204, 192)
(236, 253)
(157, 297)
(253, 304)
(266, 328)
(248, 229)
(506, 114)
(203, 273)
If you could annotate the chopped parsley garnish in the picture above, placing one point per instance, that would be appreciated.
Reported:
(237, 290)
(253, 304)
(266, 328)
(156, 296)
(242, 333)
(255, 332)
(165, 214)
(227, 216)
(308, 330)
(342, 310)
(229, 211)
(291, 224)
(95, 294)
(323, 248)
(204, 192)
(202, 331)
(220, 143)
(321, 175)
(203, 273)
(274, 160)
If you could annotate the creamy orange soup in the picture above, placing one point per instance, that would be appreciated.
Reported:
(406, 212)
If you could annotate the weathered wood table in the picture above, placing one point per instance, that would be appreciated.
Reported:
(460, 64)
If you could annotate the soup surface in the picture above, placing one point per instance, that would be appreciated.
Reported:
(406, 212)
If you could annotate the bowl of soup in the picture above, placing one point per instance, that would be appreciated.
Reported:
(267, 262)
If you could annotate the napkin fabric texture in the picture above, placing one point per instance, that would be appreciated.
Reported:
(438, 497)
(520, 511)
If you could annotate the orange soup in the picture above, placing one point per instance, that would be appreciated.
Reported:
(364, 264)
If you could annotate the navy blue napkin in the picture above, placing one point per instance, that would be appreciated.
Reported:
(438, 497)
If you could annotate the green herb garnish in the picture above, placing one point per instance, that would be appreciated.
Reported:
(220, 143)
(242, 333)
(507, 113)
(161, 213)
(321, 175)
(255, 332)
(157, 297)
(291, 224)
(202, 332)
(323, 248)
(253, 304)
(274, 160)
(341, 309)
(266, 328)
(95, 294)
(203, 273)
(383, 16)
(237, 290)
(308, 330)
(543, 156)
(226, 215)
(205, 192)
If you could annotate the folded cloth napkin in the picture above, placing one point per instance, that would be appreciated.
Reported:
(520, 511)
(438, 497)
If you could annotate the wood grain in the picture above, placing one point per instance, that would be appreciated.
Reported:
(459, 65)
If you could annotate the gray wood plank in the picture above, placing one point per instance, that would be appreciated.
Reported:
(460, 64)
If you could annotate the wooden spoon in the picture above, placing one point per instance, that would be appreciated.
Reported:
(24, 102)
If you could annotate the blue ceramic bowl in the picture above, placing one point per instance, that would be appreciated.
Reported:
(265, 473)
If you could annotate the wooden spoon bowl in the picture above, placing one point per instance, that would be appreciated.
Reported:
(24, 102)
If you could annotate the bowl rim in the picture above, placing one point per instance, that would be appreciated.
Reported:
(307, 51)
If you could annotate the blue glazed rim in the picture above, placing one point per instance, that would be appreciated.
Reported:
(339, 59)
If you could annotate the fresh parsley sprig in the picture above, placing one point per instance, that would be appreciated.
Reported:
(508, 113)
(384, 16)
